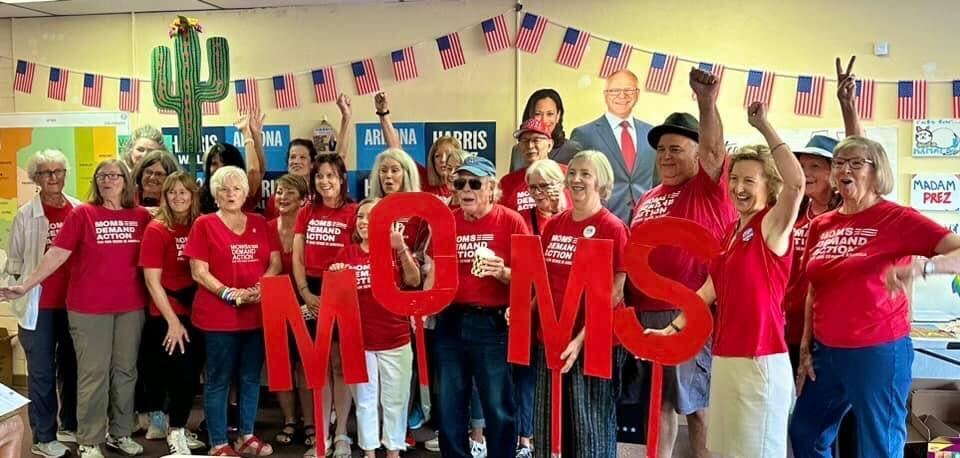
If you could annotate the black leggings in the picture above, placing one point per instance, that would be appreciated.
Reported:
(173, 378)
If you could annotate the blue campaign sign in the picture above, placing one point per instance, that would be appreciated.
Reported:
(475, 137)
(371, 142)
(275, 141)
(358, 184)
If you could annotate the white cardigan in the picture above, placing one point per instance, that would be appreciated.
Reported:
(28, 240)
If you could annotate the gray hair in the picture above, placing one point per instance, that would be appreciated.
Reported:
(47, 156)
(602, 166)
(548, 169)
(225, 173)
(411, 177)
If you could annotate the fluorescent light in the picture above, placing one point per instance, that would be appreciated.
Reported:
(13, 2)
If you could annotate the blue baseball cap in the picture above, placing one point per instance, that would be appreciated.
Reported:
(819, 145)
(478, 166)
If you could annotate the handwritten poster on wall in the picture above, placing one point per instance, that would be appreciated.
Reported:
(936, 137)
(935, 192)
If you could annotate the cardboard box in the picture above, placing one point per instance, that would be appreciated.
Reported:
(934, 418)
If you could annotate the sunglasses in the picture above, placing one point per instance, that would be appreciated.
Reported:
(461, 183)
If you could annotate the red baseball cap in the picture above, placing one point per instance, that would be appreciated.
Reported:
(533, 125)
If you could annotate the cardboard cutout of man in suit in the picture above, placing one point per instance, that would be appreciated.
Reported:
(622, 138)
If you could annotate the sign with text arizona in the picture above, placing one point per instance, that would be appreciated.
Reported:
(417, 138)
(935, 192)
(275, 141)
(936, 137)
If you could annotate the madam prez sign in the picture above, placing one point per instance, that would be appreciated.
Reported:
(935, 192)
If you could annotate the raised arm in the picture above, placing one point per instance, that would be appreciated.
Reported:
(383, 112)
(777, 225)
(712, 151)
(343, 138)
(251, 126)
(846, 94)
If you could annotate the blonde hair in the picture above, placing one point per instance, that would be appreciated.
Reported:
(148, 132)
(164, 213)
(47, 156)
(763, 155)
(126, 197)
(603, 169)
(882, 172)
(411, 177)
(368, 201)
(295, 182)
(432, 178)
(229, 172)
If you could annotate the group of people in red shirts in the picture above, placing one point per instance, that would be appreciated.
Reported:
(808, 293)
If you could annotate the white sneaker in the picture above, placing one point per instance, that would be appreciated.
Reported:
(141, 423)
(157, 429)
(52, 449)
(194, 442)
(432, 445)
(124, 445)
(69, 437)
(477, 449)
(177, 442)
(90, 451)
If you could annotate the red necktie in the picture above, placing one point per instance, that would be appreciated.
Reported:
(627, 146)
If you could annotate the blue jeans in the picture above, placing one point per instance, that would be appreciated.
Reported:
(873, 382)
(524, 389)
(51, 361)
(230, 353)
(476, 410)
(471, 346)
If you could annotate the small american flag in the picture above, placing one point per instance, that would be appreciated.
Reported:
(365, 76)
(165, 111)
(759, 87)
(285, 91)
(616, 58)
(912, 99)
(324, 85)
(809, 100)
(531, 32)
(714, 69)
(956, 98)
(248, 96)
(451, 53)
(660, 77)
(57, 88)
(573, 47)
(92, 90)
(210, 108)
(23, 81)
(495, 34)
(130, 95)
(864, 96)
(404, 64)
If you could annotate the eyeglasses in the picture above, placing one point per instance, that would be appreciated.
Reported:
(49, 174)
(855, 164)
(461, 183)
(537, 139)
(109, 176)
(629, 92)
(546, 187)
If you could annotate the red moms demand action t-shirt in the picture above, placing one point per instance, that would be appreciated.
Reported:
(105, 247)
(701, 200)
(325, 232)
(516, 196)
(238, 261)
(493, 231)
(53, 290)
(162, 248)
(846, 260)
(795, 299)
(382, 329)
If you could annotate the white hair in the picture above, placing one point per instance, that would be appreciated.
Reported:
(47, 156)
(226, 173)
(411, 177)
(548, 169)
(602, 166)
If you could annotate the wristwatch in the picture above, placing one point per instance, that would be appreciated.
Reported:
(928, 268)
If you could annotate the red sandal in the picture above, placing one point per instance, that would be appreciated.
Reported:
(254, 446)
(223, 450)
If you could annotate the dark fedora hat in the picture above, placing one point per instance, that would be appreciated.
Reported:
(677, 123)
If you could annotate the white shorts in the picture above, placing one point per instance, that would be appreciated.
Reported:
(750, 401)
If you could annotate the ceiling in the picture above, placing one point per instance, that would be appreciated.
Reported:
(88, 7)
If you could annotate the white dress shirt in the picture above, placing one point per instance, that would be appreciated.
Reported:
(618, 129)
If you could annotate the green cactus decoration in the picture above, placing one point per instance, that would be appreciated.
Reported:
(187, 94)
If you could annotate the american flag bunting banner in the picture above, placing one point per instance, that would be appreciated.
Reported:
(23, 78)
(759, 87)
(451, 53)
(956, 99)
(662, 67)
(324, 85)
(714, 69)
(248, 96)
(573, 47)
(129, 95)
(285, 91)
(809, 100)
(912, 100)
(864, 98)
(531, 32)
(616, 58)
(404, 64)
(57, 87)
(365, 76)
(92, 90)
(210, 108)
(495, 34)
